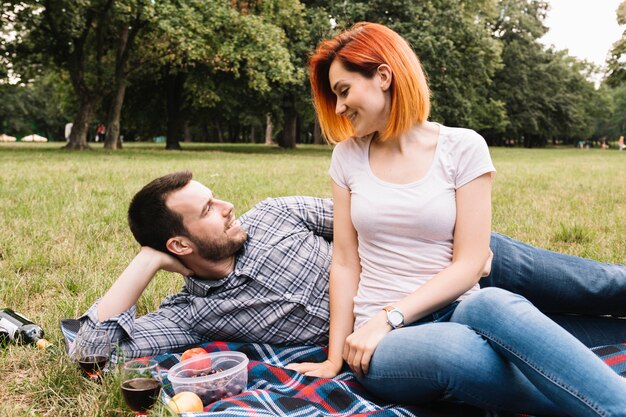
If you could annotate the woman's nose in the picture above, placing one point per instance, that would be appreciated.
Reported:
(340, 108)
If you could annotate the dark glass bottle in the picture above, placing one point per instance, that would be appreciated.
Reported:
(21, 330)
(4, 336)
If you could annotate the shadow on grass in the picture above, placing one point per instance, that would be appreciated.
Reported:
(138, 147)
(250, 148)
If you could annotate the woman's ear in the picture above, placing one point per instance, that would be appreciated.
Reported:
(385, 74)
(178, 245)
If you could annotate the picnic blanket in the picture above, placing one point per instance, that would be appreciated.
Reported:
(275, 391)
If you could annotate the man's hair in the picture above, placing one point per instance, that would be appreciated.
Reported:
(363, 48)
(150, 220)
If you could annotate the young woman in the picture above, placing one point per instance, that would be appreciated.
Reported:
(412, 207)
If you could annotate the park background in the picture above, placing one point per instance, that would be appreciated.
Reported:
(208, 75)
(235, 71)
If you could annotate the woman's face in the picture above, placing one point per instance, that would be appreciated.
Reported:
(364, 101)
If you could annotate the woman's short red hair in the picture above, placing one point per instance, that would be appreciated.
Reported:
(363, 48)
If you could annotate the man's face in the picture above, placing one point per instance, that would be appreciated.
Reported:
(210, 223)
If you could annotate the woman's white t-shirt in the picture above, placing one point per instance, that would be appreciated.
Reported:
(405, 231)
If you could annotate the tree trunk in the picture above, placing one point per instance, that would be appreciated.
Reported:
(234, 132)
(287, 139)
(298, 134)
(268, 129)
(219, 136)
(175, 117)
(78, 137)
(253, 134)
(206, 136)
(318, 139)
(186, 132)
(127, 32)
(112, 136)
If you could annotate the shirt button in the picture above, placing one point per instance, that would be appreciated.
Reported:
(288, 295)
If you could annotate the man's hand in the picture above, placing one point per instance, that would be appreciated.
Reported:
(125, 292)
(326, 369)
(361, 344)
(165, 261)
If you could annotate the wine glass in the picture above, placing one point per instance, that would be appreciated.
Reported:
(92, 348)
(141, 384)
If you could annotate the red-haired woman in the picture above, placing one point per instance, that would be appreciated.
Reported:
(412, 219)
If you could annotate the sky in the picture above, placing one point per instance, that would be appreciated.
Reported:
(587, 28)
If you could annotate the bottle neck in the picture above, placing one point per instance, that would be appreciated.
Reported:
(20, 329)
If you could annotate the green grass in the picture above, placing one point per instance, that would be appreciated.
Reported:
(64, 239)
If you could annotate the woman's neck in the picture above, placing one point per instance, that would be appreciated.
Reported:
(424, 136)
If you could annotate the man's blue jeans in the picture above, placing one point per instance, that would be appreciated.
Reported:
(572, 291)
(497, 351)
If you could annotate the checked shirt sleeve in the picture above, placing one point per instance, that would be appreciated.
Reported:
(315, 213)
(152, 334)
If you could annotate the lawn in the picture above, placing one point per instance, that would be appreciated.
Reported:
(64, 237)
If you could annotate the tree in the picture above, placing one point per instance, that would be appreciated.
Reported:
(288, 100)
(454, 42)
(131, 19)
(547, 94)
(42, 106)
(74, 35)
(612, 122)
(617, 57)
(200, 41)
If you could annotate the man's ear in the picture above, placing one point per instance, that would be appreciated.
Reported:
(179, 245)
(385, 74)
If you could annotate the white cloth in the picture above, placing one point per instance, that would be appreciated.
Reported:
(405, 231)
(68, 130)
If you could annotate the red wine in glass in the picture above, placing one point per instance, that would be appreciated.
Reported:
(91, 351)
(93, 364)
(141, 384)
(141, 393)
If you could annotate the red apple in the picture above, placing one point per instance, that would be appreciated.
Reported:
(199, 364)
(190, 353)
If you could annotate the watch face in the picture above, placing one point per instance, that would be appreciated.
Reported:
(395, 318)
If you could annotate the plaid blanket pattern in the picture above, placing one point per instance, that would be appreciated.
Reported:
(275, 391)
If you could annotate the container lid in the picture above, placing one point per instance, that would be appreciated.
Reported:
(231, 363)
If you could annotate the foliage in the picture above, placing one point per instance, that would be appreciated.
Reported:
(218, 55)
(454, 43)
(613, 123)
(213, 70)
(42, 107)
(617, 58)
(547, 94)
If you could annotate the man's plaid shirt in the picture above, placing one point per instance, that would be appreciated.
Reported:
(278, 292)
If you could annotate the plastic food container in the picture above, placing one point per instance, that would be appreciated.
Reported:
(212, 377)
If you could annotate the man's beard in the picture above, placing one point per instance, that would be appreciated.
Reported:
(218, 249)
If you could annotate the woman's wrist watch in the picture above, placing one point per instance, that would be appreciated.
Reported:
(395, 318)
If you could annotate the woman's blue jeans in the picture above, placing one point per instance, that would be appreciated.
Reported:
(572, 291)
(495, 350)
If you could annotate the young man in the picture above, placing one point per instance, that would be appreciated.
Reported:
(264, 277)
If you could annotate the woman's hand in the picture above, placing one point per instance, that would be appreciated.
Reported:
(361, 344)
(326, 369)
